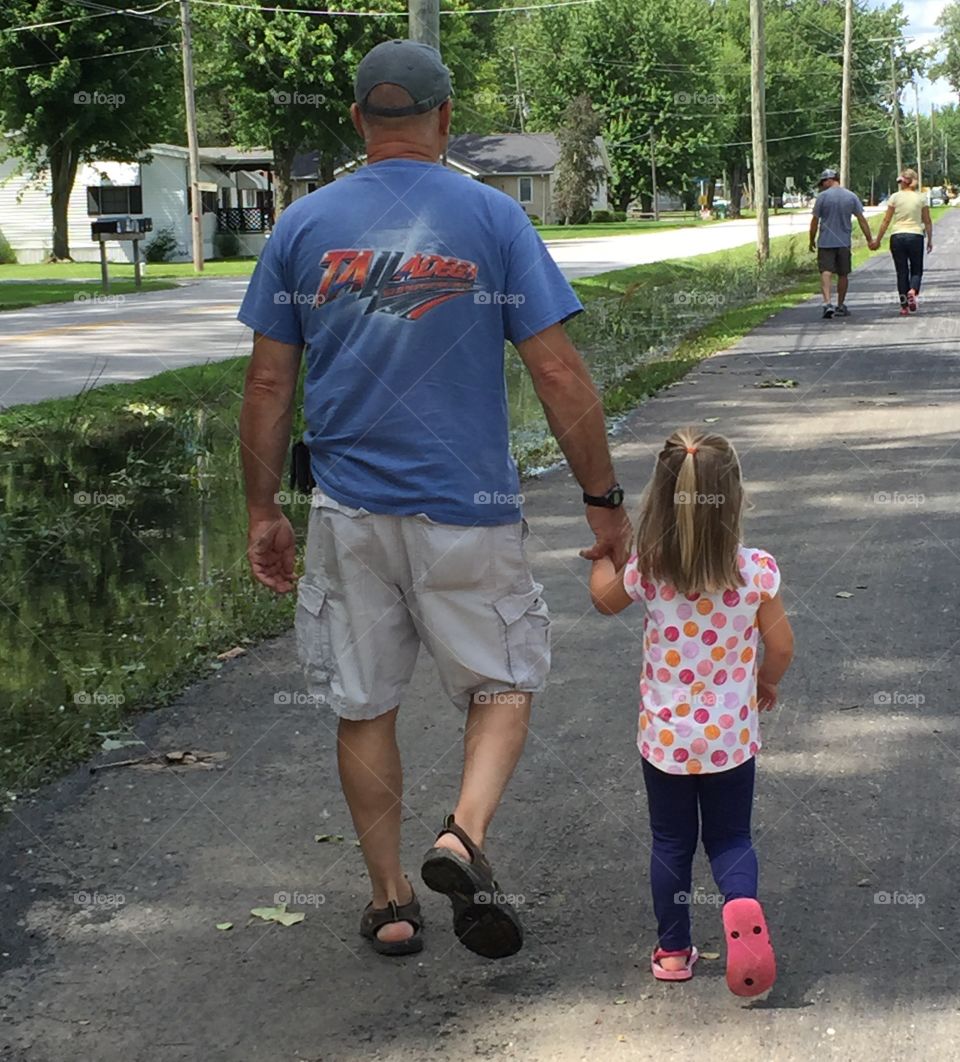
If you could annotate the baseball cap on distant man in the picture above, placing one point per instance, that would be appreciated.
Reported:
(828, 175)
(417, 68)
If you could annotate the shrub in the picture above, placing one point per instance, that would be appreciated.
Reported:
(534, 219)
(602, 216)
(162, 247)
(619, 215)
(7, 254)
(227, 244)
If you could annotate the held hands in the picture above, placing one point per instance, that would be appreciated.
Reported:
(270, 549)
(612, 530)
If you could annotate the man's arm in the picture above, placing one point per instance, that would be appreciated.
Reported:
(575, 415)
(814, 225)
(865, 228)
(265, 420)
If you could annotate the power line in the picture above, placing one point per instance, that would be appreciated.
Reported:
(84, 18)
(89, 58)
(391, 14)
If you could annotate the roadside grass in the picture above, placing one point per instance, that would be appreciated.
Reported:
(72, 271)
(28, 293)
(168, 445)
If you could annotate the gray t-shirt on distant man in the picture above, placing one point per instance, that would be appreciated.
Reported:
(835, 208)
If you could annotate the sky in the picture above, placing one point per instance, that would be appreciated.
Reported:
(922, 18)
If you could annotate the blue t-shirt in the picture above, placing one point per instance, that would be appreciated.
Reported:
(403, 281)
(835, 208)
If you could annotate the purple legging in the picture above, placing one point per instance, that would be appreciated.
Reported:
(683, 806)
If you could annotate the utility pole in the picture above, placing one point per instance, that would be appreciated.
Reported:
(758, 122)
(896, 110)
(653, 172)
(845, 102)
(933, 141)
(916, 97)
(520, 100)
(424, 21)
(196, 207)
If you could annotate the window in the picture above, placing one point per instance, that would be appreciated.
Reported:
(208, 201)
(526, 189)
(114, 199)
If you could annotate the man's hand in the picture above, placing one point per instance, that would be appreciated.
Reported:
(612, 530)
(813, 247)
(271, 546)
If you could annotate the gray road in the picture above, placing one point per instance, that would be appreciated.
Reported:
(59, 349)
(853, 479)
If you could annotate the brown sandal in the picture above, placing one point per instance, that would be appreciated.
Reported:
(483, 919)
(375, 918)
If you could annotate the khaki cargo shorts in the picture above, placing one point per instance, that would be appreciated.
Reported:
(376, 587)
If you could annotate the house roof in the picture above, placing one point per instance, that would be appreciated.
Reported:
(498, 153)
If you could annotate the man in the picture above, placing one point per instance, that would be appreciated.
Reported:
(832, 212)
(402, 282)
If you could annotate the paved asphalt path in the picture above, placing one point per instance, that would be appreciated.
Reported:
(59, 349)
(115, 882)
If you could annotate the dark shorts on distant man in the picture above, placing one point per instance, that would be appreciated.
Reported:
(834, 260)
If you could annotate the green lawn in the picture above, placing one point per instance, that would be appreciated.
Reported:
(615, 228)
(232, 267)
(21, 296)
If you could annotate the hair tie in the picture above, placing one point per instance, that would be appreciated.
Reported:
(691, 449)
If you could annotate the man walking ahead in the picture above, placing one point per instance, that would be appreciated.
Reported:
(401, 282)
(833, 210)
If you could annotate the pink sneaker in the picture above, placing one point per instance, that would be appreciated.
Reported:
(751, 963)
(912, 301)
(690, 954)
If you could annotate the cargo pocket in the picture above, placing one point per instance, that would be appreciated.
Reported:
(313, 635)
(526, 626)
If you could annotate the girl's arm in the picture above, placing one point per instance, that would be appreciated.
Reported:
(607, 591)
(928, 225)
(777, 637)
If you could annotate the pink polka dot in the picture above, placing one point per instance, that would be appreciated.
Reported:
(720, 677)
(767, 580)
(748, 634)
(667, 593)
(741, 561)
(708, 699)
(690, 650)
(645, 750)
(683, 730)
(731, 699)
(729, 738)
(732, 642)
(709, 637)
(665, 714)
(701, 715)
(731, 598)
(744, 712)
(649, 671)
(739, 674)
(658, 754)
(718, 758)
(752, 598)
(650, 592)
(698, 746)
(663, 674)
(655, 653)
(630, 576)
(691, 597)
(681, 755)
(739, 622)
(738, 756)
(644, 687)
(731, 658)
(704, 667)
(674, 768)
(671, 634)
(754, 748)
(654, 636)
(657, 616)
(686, 676)
(719, 620)
(725, 721)
(685, 611)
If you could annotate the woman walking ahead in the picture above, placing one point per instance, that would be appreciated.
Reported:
(908, 218)
(709, 601)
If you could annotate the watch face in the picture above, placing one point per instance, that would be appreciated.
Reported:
(616, 497)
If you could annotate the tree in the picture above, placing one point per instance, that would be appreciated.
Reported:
(949, 67)
(65, 101)
(578, 167)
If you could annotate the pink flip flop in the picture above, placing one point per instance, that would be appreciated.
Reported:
(691, 954)
(751, 963)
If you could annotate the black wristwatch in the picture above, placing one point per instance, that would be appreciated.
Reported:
(613, 499)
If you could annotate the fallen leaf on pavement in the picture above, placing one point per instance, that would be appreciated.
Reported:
(619, 1002)
(224, 925)
(710, 420)
(232, 654)
(709, 954)
(786, 384)
(844, 594)
(278, 914)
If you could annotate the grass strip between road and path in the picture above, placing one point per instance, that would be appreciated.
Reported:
(167, 446)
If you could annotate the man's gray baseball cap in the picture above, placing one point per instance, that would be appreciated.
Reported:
(413, 66)
(829, 175)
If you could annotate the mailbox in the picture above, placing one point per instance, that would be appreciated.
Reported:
(120, 226)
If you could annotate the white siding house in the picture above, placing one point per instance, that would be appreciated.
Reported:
(156, 187)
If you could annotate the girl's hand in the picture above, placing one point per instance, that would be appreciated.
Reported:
(766, 695)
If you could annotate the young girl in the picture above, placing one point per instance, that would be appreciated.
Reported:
(708, 602)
